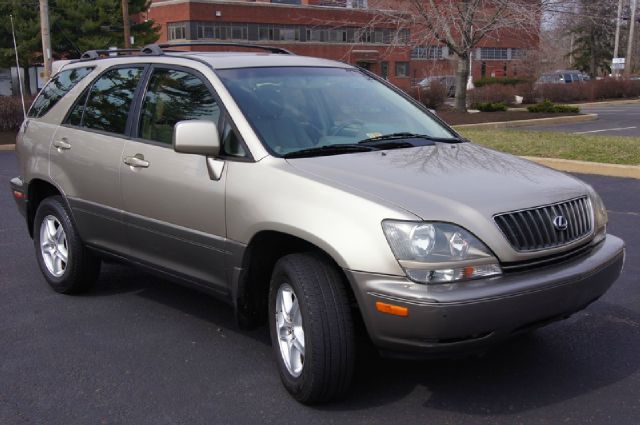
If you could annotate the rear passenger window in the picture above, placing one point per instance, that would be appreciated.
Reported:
(174, 96)
(107, 106)
(55, 90)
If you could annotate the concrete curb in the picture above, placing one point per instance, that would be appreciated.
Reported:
(7, 147)
(524, 123)
(585, 167)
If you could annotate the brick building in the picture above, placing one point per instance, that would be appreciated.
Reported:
(333, 29)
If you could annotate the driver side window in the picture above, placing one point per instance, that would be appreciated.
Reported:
(172, 96)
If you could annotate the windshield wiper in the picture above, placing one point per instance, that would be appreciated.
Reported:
(405, 135)
(335, 149)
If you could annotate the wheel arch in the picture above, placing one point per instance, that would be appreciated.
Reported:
(38, 190)
(251, 287)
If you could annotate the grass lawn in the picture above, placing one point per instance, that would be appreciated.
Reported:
(608, 149)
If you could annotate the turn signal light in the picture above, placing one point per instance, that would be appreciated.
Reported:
(18, 194)
(392, 309)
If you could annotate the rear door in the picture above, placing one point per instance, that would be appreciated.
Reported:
(86, 155)
(174, 212)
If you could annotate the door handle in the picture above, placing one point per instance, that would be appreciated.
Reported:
(62, 145)
(137, 161)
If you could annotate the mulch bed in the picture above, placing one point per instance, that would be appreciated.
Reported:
(7, 137)
(456, 118)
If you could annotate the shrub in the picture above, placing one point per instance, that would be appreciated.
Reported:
(493, 94)
(574, 92)
(608, 88)
(505, 81)
(11, 112)
(527, 91)
(432, 97)
(550, 107)
(490, 107)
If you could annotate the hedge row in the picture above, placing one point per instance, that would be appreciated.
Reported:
(586, 91)
(11, 112)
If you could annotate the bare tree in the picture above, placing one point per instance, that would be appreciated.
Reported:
(461, 25)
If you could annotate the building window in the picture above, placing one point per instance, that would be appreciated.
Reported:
(494, 53)
(384, 70)
(402, 69)
(177, 31)
(363, 36)
(427, 52)
(270, 32)
(518, 53)
(223, 31)
(359, 4)
(293, 33)
(317, 35)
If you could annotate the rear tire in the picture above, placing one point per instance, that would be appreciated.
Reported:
(311, 328)
(67, 265)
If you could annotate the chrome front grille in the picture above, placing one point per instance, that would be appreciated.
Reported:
(534, 229)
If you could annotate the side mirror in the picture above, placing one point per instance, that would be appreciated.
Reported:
(196, 137)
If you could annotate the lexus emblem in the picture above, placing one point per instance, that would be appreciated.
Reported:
(560, 223)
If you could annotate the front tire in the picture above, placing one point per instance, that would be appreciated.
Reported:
(67, 265)
(311, 328)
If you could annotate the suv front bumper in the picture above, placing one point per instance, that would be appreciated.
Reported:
(465, 316)
(19, 192)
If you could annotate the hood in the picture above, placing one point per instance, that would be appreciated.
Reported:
(463, 183)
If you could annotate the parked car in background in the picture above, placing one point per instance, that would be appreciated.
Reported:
(448, 81)
(563, 77)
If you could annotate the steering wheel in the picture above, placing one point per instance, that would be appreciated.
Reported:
(355, 124)
(312, 130)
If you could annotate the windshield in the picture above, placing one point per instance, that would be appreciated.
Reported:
(296, 108)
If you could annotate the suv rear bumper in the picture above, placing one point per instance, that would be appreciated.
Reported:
(447, 318)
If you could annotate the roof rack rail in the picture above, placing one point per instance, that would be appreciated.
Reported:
(97, 54)
(160, 49)
(271, 49)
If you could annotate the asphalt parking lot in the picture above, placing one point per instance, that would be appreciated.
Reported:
(139, 350)
(613, 120)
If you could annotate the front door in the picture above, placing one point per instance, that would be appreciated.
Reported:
(174, 212)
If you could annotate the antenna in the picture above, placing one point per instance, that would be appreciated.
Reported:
(15, 47)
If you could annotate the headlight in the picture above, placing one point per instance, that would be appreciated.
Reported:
(600, 217)
(439, 252)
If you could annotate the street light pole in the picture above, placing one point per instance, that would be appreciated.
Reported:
(632, 26)
(125, 23)
(46, 37)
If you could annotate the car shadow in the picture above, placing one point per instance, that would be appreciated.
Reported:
(118, 278)
(593, 349)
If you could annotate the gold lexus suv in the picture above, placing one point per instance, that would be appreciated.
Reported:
(310, 195)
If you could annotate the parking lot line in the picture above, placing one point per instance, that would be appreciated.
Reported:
(605, 129)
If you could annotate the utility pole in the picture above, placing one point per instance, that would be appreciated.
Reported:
(125, 23)
(617, 42)
(616, 71)
(632, 26)
(46, 37)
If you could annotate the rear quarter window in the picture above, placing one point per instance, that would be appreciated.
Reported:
(55, 90)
